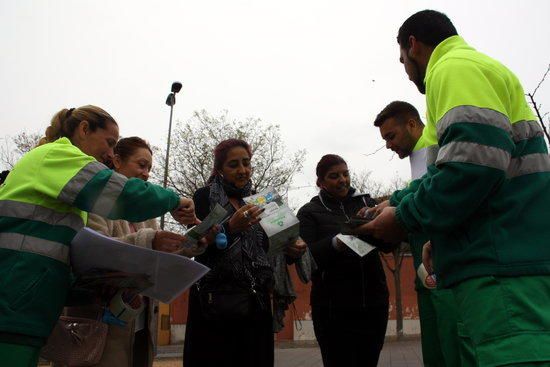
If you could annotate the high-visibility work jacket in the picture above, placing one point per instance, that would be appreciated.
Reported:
(484, 202)
(43, 203)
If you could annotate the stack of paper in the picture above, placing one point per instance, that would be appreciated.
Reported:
(170, 274)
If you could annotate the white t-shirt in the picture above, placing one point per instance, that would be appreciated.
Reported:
(417, 160)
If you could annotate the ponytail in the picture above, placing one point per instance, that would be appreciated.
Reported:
(65, 122)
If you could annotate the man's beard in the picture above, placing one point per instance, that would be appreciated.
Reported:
(419, 80)
(421, 86)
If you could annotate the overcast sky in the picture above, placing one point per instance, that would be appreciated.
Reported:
(320, 69)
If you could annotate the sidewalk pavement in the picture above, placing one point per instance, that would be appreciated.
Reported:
(403, 353)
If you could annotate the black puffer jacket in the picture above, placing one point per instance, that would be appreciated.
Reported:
(343, 278)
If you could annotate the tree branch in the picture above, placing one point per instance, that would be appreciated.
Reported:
(541, 81)
(388, 264)
(376, 151)
(531, 96)
(401, 255)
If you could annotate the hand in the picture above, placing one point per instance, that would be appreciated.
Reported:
(130, 297)
(244, 218)
(191, 250)
(168, 241)
(210, 237)
(185, 212)
(201, 246)
(427, 257)
(340, 246)
(363, 211)
(375, 211)
(384, 227)
(296, 248)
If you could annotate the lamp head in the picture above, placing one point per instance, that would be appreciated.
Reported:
(176, 87)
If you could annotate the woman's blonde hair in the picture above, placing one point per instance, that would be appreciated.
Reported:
(65, 122)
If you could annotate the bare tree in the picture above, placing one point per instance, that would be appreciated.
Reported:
(538, 107)
(398, 255)
(364, 182)
(396, 183)
(13, 148)
(193, 142)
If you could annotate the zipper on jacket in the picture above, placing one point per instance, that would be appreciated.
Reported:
(344, 210)
(363, 297)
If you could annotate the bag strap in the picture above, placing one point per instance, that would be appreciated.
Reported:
(92, 312)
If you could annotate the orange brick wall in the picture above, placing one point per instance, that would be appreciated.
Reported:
(408, 294)
(178, 308)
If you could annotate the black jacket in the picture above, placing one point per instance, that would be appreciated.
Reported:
(343, 279)
(227, 266)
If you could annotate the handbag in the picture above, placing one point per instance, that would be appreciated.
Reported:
(239, 298)
(76, 341)
(231, 302)
(217, 304)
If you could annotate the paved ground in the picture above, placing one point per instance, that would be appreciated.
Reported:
(404, 353)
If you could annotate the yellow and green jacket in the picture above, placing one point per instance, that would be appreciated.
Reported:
(484, 200)
(43, 204)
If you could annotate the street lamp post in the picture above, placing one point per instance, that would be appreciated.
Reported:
(170, 101)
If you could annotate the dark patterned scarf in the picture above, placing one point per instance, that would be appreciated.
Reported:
(244, 260)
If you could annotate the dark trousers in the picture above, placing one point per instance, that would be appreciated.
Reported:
(350, 337)
(227, 343)
(140, 350)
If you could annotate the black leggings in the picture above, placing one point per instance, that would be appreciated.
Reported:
(140, 356)
(350, 337)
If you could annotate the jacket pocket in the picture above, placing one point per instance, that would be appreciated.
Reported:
(29, 290)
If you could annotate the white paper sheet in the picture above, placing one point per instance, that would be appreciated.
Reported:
(171, 274)
(360, 247)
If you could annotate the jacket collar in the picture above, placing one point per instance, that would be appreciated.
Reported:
(331, 203)
(449, 44)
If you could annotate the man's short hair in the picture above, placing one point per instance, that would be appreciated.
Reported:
(399, 110)
(427, 26)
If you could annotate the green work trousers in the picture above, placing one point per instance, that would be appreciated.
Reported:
(504, 321)
(438, 324)
(16, 355)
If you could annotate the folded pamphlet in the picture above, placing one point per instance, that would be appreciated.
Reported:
(278, 221)
(216, 216)
(360, 247)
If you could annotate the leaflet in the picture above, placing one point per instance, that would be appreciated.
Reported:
(169, 274)
(360, 247)
(278, 221)
(216, 216)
